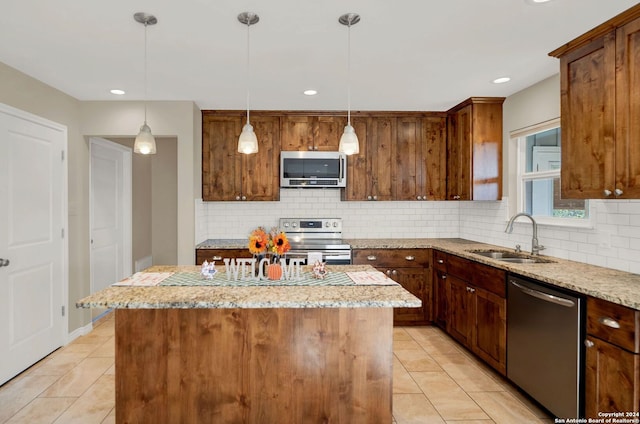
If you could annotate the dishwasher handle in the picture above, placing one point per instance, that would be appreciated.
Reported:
(545, 296)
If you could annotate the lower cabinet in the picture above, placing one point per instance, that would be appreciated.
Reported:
(612, 373)
(471, 303)
(408, 267)
(219, 254)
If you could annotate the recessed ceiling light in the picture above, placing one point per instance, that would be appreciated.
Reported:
(117, 91)
(536, 1)
(310, 92)
(501, 80)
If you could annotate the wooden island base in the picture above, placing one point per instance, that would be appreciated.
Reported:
(308, 365)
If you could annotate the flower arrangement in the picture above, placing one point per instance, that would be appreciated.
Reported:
(275, 241)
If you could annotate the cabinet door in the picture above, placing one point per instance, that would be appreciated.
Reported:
(461, 316)
(486, 151)
(459, 154)
(587, 99)
(490, 336)
(440, 296)
(380, 158)
(406, 164)
(312, 132)
(416, 281)
(221, 163)
(359, 180)
(611, 379)
(628, 110)
(433, 159)
(260, 172)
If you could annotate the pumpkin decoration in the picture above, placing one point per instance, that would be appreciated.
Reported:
(274, 271)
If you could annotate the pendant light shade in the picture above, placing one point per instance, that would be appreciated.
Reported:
(349, 144)
(248, 142)
(145, 143)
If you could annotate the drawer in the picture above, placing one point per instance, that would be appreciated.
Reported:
(480, 275)
(440, 260)
(398, 258)
(614, 323)
(219, 254)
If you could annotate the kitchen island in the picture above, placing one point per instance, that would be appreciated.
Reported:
(254, 354)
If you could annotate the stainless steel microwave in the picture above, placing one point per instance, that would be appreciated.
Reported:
(313, 169)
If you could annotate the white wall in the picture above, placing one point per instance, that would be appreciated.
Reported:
(614, 240)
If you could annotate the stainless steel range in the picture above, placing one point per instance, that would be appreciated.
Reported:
(322, 235)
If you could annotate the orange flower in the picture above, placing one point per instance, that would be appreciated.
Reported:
(280, 243)
(258, 241)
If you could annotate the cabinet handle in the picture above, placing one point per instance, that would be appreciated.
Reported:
(618, 192)
(394, 272)
(375, 197)
(237, 197)
(371, 258)
(444, 277)
(244, 197)
(440, 261)
(609, 322)
(369, 198)
(216, 258)
(607, 193)
(309, 147)
(471, 289)
(588, 343)
(410, 258)
(419, 198)
(388, 272)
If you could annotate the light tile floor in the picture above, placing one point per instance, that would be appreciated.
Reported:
(435, 381)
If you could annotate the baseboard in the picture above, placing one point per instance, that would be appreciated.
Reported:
(144, 263)
(82, 331)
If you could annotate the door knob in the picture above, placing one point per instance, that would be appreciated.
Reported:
(4, 262)
(617, 192)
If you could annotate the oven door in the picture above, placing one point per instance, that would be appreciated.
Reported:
(330, 257)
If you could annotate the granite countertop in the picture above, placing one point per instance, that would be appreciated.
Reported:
(615, 286)
(283, 296)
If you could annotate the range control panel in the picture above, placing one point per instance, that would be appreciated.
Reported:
(312, 226)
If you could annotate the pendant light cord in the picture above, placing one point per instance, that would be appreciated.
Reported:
(145, 73)
(349, 75)
(248, 63)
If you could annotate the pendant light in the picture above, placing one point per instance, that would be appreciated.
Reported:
(349, 141)
(145, 143)
(248, 142)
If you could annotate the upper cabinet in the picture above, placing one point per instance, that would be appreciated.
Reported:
(312, 132)
(474, 150)
(401, 157)
(600, 110)
(229, 175)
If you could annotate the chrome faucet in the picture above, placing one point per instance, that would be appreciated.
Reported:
(535, 246)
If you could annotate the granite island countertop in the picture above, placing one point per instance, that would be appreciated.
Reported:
(281, 296)
(609, 284)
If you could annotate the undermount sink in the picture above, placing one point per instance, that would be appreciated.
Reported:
(511, 257)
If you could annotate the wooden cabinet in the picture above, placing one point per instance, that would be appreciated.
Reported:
(401, 157)
(312, 132)
(229, 175)
(440, 302)
(600, 110)
(408, 267)
(218, 255)
(471, 305)
(369, 173)
(612, 374)
(474, 149)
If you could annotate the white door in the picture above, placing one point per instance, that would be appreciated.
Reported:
(33, 219)
(110, 210)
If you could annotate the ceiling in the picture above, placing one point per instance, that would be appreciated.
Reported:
(405, 54)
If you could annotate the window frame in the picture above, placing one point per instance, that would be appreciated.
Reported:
(522, 177)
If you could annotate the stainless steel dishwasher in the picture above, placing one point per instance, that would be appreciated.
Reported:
(544, 345)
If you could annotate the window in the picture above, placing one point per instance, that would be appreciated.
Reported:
(538, 172)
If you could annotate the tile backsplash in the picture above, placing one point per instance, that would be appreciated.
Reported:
(614, 240)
